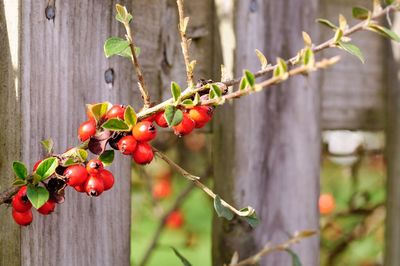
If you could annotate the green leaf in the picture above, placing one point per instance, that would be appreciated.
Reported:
(115, 124)
(175, 91)
(215, 91)
(338, 36)
(37, 195)
(173, 115)
(308, 57)
(98, 110)
(249, 78)
(281, 68)
(184, 261)
(48, 145)
(196, 99)
(118, 46)
(252, 220)
(327, 23)
(389, 2)
(122, 14)
(70, 161)
(221, 210)
(47, 167)
(20, 170)
(107, 157)
(19, 182)
(82, 154)
(384, 32)
(262, 58)
(352, 49)
(295, 258)
(188, 103)
(360, 13)
(243, 84)
(130, 116)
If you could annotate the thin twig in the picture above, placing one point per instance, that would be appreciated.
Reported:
(269, 249)
(183, 21)
(154, 240)
(142, 84)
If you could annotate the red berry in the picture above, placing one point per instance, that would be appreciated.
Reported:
(21, 204)
(86, 130)
(185, 126)
(200, 125)
(36, 165)
(90, 116)
(48, 207)
(160, 119)
(94, 186)
(144, 131)
(94, 166)
(108, 179)
(162, 189)
(117, 111)
(201, 115)
(150, 118)
(76, 175)
(143, 153)
(22, 192)
(175, 220)
(80, 188)
(22, 218)
(127, 145)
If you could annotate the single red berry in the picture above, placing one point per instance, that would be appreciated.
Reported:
(94, 166)
(48, 207)
(117, 111)
(201, 115)
(127, 145)
(80, 188)
(22, 192)
(21, 204)
(175, 220)
(144, 131)
(160, 119)
(185, 126)
(108, 179)
(143, 153)
(162, 189)
(76, 175)
(22, 218)
(86, 130)
(94, 186)
(36, 165)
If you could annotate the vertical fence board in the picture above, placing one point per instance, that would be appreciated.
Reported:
(267, 145)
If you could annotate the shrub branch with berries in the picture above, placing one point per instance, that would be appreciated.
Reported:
(115, 127)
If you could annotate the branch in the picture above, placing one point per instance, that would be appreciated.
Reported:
(280, 247)
(183, 21)
(142, 84)
(178, 201)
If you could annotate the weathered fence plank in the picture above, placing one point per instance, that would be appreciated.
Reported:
(267, 146)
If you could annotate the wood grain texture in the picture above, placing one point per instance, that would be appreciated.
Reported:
(352, 93)
(392, 67)
(267, 145)
(10, 115)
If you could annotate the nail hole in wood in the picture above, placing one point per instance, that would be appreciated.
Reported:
(109, 76)
(50, 12)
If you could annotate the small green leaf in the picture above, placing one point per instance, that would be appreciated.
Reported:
(173, 115)
(243, 84)
(107, 157)
(48, 145)
(19, 182)
(196, 99)
(327, 23)
(70, 161)
(249, 78)
(215, 91)
(281, 68)
(308, 57)
(82, 154)
(20, 170)
(175, 91)
(221, 210)
(188, 103)
(122, 14)
(47, 167)
(352, 49)
(115, 124)
(307, 39)
(389, 2)
(115, 46)
(98, 110)
(384, 32)
(262, 58)
(130, 116)
(338, 36)
(360, 13)
(37, 195)
(184, 261)
(295, 258)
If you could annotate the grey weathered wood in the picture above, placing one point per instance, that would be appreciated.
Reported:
(267, 146)
(10, 115)
(392, 236)
(352, 92)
